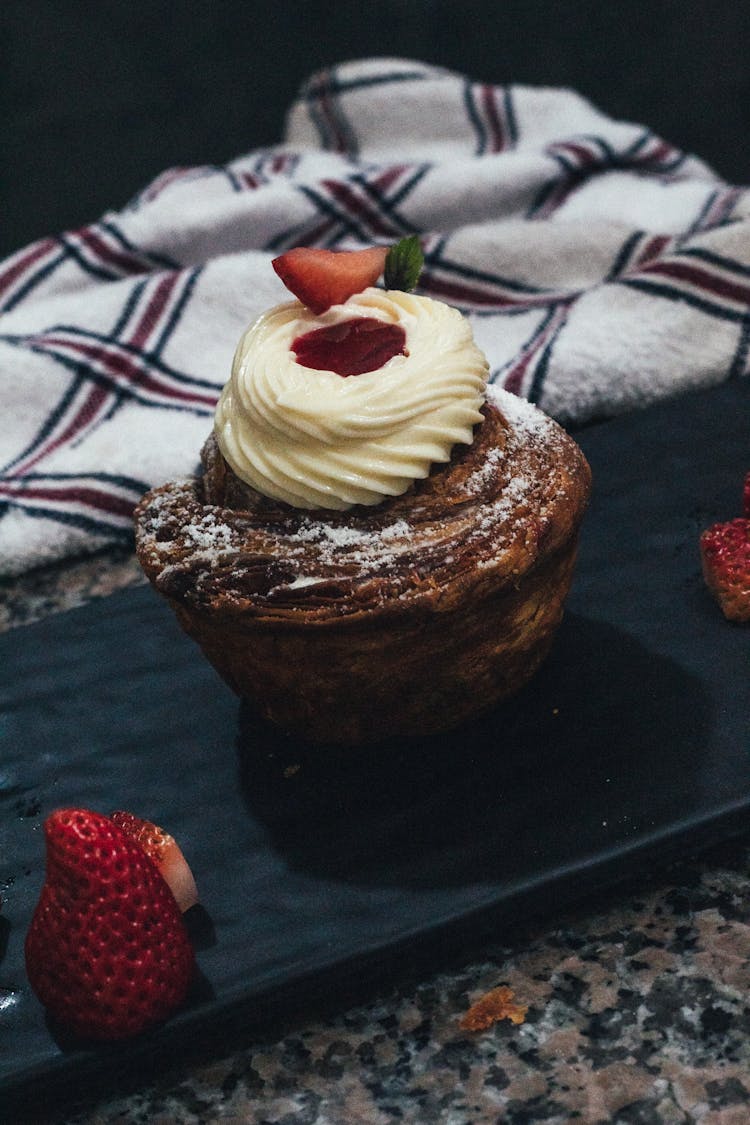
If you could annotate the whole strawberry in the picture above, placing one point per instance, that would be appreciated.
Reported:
(107, 952)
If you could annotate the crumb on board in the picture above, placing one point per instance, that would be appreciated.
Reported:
(497, 1004)
(289, 771)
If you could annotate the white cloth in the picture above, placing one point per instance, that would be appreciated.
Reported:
(602, 269)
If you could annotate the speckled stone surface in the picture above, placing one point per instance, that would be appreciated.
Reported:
(638, 1005)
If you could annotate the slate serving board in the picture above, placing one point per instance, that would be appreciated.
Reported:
(317, 866)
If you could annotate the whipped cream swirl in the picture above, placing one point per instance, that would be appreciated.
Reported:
(315, 439)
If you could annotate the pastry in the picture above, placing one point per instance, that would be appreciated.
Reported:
(375, 553)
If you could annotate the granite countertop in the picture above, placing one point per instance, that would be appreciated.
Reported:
(637, 1004)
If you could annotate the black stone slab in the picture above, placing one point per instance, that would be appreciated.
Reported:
(317, 866)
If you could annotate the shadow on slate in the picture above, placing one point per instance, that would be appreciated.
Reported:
(603, 716)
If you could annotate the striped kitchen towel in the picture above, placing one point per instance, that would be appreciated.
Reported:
(602, 269)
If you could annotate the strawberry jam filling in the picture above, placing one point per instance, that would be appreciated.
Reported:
(352, 347)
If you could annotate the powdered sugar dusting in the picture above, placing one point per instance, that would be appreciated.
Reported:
(312, 531)
(527, 424)
(524, 417)
(496, 508)
(513, 499)
(366, 550)
(205, 538)
(481, 476)
(209, 535)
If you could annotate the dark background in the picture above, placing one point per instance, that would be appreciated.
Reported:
(98, 96)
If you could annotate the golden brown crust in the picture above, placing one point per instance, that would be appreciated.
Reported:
(402, 618)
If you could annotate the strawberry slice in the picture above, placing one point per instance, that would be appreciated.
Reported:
(166, 853)
(322, 278)
(725, 558)
(107, 951)
(361, 344)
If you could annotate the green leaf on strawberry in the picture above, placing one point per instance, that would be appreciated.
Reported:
(403, 264)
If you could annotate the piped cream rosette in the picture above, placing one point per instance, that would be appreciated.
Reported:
(315, 439)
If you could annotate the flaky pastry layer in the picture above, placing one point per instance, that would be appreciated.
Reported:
(486, 518)
(403, 619)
